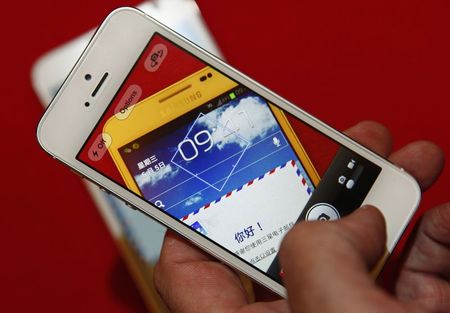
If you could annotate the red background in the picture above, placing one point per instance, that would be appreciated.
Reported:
(341, 60)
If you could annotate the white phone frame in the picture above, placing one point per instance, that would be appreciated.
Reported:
(67, 123)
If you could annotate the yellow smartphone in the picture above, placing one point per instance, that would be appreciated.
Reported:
(124, 129)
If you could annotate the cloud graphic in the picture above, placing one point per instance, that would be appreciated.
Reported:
(153, 177)
(250, 119)
(192, 200)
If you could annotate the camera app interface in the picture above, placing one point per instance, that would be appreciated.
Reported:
(221, 159)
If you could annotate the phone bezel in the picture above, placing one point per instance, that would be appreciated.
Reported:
(395, 192)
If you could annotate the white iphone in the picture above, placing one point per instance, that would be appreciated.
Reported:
(208, 152)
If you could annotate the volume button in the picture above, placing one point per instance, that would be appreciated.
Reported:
(129, 205)
(78, 174)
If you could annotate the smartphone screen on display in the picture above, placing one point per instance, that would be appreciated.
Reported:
(218, 157)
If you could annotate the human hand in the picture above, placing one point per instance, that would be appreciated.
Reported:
(189, 280)
(354, 245)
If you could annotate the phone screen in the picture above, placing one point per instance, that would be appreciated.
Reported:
(221, 159)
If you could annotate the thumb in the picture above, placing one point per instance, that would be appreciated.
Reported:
(327, 264)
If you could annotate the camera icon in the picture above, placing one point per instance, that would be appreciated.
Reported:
(342, 179)
(322, 212)
(323, 217)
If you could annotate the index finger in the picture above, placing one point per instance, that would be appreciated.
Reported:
(373, 136)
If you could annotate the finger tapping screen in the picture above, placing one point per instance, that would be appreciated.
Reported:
(220, 158)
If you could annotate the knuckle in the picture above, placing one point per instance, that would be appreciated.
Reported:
(438, 222)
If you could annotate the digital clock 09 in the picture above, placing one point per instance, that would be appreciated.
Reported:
(189, 149)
